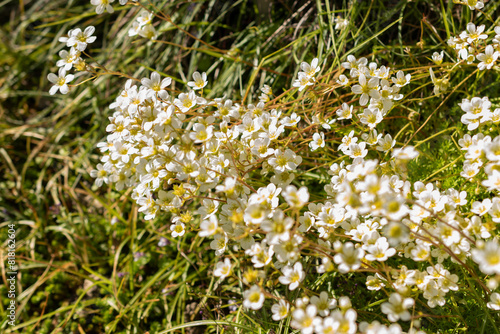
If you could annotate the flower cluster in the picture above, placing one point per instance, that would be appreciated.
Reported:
(470, 43)
(232, 172)
(143, 26)
(306, 77)
(77, 40)
(173, 150)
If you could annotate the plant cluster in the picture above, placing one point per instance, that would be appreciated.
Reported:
(238, 173)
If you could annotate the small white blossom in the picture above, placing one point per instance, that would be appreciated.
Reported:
(292, 276)
(60, 81)
(103, 5)
(488, 58)
(199, 81)
(280, 310)
(494, 302)
(296, 198)
(223, 269)
(318, 140)
(253, 298)
(397, 307)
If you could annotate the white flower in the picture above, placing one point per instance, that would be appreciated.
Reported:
(474, 4)
(296, 198)
(266, 89)
(178, 229)
(371, 117)
(434, 294)
(186, 101)
(488, 58)
(488, 257)
(405, 154)
(305, 320)
(134, 30)
(357, 150)
(397, 308)
(154, 84)
(255, 213)
(345, 303)
(148, 205)
(349, 258)
(354, 65)
(323, 303)
(261, 254)
(371, 137)
(340, 22)
(342, 321)
(440, 85)
(229, 187)
(344, 112)
(200, 80)
(343, 80)
(496, 40)
(420, 252)
(476, 226)
(101, 174)
(375, 282)
(122, 150)
(310, 70)
(68, 58)
(80, 39)
(401, 79)
(290, 120)
(292, 276)
(366, 89)
(219, 244)
(445, 280)
(473, 33)
(201, 133)
(253, 298)
(148, 31)
(60, 82)
(346, 141)
(481, 208)
(318, 141)
(437, 58)
(493, 181)
(494, 302)
(280, 310)
(302, 82)
(102, 5)
(285, 160)
(223, 269)
(470, 170)
(208, 227)
(144, 18)
(380, 251)
(376, 327)
(458, 198)
(386, 143)
(493, 150)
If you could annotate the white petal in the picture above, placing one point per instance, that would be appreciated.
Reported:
(64, 89)
(89, 31)
(53, 90)
(52, 77)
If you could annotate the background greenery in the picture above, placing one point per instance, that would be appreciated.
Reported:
(88, 261)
